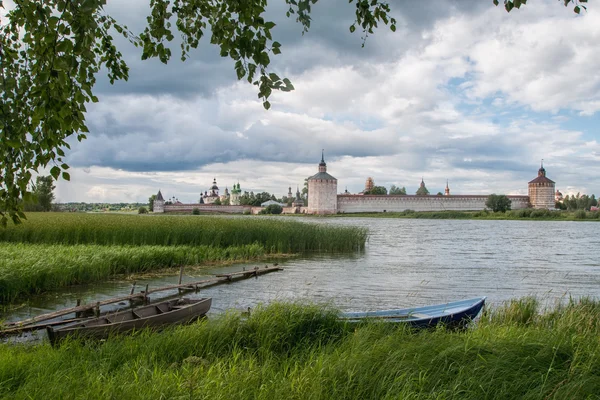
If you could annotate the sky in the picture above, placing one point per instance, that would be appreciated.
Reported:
(462, 92)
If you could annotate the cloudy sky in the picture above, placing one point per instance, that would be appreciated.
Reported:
(462, 91)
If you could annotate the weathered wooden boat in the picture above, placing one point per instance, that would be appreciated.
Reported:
(159, 315)
(456, 313)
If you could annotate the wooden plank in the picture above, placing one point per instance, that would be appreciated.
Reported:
(29, 328)
(255, 271)
(70, 310)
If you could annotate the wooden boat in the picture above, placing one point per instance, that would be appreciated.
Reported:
(456, 313)
(159, 315)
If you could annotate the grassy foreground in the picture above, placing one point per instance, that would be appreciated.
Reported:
(302, 352)
(35, 268)
(276, 236)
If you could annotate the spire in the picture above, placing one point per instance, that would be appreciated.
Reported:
(159, 196)
(322, 164)
(542, 171)
(447, 190)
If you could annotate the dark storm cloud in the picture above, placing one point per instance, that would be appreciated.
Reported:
(169, 139)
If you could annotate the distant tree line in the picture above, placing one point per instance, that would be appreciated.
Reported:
(577, 202)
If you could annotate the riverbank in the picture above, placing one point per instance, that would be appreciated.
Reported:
(27, 269)
(299, 351)
(53, 250)
(524, 214)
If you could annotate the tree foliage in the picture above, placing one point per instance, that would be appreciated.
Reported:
(51, 52)
(395, 190)
(422, 191)
(255, 200)
(43, 194)
(498, 203)
(379, 190)
(151, 202)
(272, 209)
(509, 5)
(579, 202)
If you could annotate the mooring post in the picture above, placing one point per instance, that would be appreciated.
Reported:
(180, 278)
(97, 309)
(132, 289)
(146, 294)
(78, 313)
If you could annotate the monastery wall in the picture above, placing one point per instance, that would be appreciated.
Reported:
(206, 208)
(370, 203)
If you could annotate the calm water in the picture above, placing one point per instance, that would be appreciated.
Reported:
(406, 262)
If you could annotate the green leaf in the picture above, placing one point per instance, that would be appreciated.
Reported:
(393, 28)
(577, 9)
(352, 28)
(266, 105)
(66, 176)
(55, 172)
(269, 25)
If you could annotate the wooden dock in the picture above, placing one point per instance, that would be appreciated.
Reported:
(33, 323)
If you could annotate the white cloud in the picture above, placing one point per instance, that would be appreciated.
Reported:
(471, 98)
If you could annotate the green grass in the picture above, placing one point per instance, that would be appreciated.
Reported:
(524, 214)
(276, 236)
(303, 352)
(34, 268)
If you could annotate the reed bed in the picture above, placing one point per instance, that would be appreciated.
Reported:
(35, 268)
(302, 352)
(275, 235)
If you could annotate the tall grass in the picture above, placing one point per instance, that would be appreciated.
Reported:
(35, 268)
(303, 352)
(273, 235)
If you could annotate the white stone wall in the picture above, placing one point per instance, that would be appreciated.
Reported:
(542, 195)
(322, 196)
(368, 203)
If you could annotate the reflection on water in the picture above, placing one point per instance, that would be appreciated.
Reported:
(406, 262)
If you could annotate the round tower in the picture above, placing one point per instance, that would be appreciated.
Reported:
(542, 190)
(322, 191)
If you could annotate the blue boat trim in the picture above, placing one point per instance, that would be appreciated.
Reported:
(450, 313)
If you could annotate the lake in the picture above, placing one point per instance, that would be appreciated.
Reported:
(406, 262)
